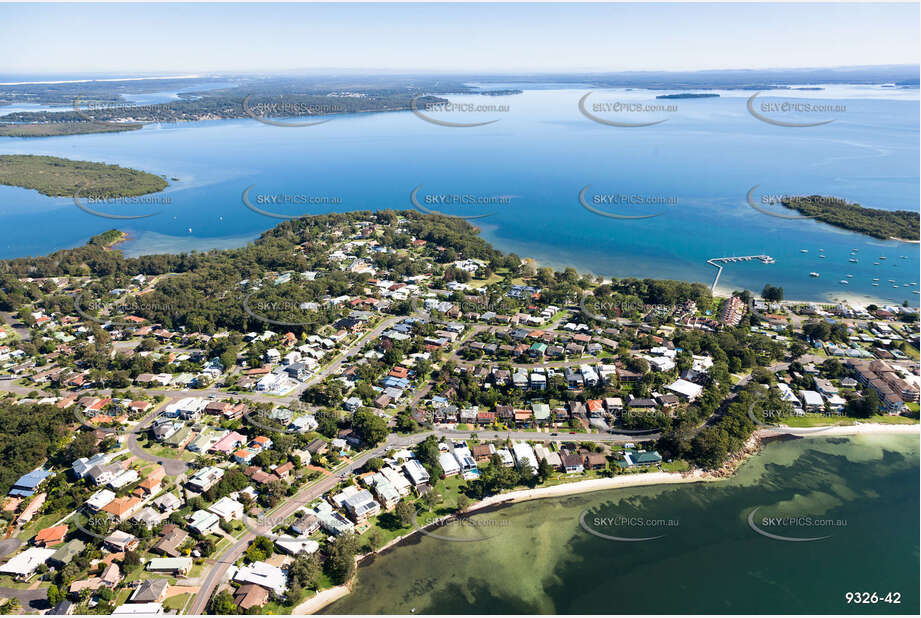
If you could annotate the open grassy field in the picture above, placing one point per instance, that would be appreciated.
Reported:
(821, 420)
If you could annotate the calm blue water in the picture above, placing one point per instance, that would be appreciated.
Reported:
(542, 152)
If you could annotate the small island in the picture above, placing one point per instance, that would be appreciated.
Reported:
(883, 224)
(56, 177)
(689, 95)
(53, 129)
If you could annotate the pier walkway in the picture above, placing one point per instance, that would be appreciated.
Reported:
(718, 264)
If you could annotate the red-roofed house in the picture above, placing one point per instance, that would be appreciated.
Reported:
(50, 536)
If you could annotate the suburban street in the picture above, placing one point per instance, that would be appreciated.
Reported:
(217, 572)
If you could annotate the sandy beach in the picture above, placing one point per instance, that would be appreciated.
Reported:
(843, 430)
(854, 299)
(640, 479)
(321, 600)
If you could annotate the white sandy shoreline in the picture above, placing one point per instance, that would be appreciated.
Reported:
(639, 479)
(843, 430)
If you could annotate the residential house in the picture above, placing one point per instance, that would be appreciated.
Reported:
(173, 566)
(361, 505)
(227, 508)
(123, 508)
(121, 541)
(204, 479)
(172, 537)
(203, 522)
(50, 536)
(150, 591)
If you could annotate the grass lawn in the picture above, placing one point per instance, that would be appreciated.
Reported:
(479, 283)
(165, 452)
(177, 602)
(386, 525)
(893, 420)
(137, 573)
(37, 524)
(678, 465)
(819, 421)
(122, 596)
(7, 581)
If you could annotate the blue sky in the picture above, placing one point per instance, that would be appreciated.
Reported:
(186, 38)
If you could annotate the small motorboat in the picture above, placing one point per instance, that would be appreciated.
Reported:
(813, 274)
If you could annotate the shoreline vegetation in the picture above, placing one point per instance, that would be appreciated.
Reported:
(56, 177)
(882, 224)
(689, 95)
(326, 597)
(55, 129)
(223, 105)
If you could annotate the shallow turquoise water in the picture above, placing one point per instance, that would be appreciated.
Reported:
(538, 559)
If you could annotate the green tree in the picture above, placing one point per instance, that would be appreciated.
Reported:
(373, 429)
(340, 563)
(405, 513)
(772, 293)
(260, 549)
(54, 595)
(222, 604)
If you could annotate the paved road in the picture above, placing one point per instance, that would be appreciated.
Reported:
(556, 436)
(347, 353)
(31, 600)
(8, 546)
(218, 571)
(16, 325)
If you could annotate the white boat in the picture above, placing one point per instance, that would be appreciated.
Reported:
(882, 257)
(852, 260)
(850, 276)
(843, 282)
(876, 263)
(876, 285)
(804, 250)
(813, 274)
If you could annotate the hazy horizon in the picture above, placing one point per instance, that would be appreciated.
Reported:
(446, 38)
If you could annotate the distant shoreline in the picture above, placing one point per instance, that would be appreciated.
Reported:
(88, 81)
